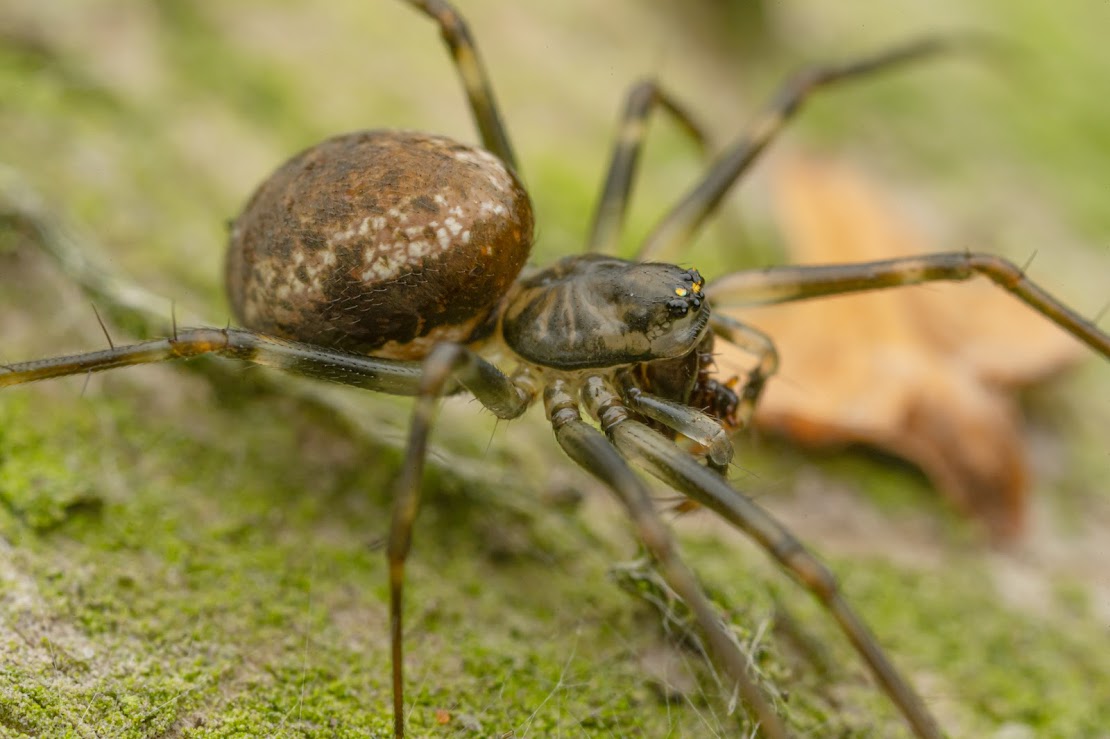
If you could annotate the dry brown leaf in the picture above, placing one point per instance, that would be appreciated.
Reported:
(927, 373)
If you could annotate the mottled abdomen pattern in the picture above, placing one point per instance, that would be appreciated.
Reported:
(380, 242)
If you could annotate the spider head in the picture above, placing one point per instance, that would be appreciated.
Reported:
(662, 303)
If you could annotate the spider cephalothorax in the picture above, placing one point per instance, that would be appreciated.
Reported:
(591, 312)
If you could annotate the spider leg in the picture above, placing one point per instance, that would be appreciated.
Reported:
(445, 369)
(690, 422)
(642, 99)
(479, 90)
(507, 398)
(686, 217)
(663, 459)
(755, 342)
(371, 373)
(593, 452)
(782, 284)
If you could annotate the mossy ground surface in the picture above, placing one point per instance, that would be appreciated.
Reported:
(181, 557)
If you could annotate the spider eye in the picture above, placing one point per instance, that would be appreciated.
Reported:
(695, 279)
(678, 307)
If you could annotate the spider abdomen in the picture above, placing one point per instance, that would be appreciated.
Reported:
(380, 242)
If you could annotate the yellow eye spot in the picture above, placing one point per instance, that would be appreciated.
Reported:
(681, 292)
(697, 288)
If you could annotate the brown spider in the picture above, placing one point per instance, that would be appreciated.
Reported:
(388, 260)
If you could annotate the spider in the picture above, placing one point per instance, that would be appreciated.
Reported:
(390, 260)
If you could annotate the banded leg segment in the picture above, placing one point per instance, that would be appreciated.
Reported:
(670, 464)
(782, 284)
(445, 366)
(593, 452)
(479, 90)
(370, 373)
(684, 220)
(642, 99)
(690, 422)
(667, 462)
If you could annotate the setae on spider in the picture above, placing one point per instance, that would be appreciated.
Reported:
(383, 260)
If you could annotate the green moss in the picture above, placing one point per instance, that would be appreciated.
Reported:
(40, 485)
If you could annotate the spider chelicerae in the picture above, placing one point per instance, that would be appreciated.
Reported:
(376, 259)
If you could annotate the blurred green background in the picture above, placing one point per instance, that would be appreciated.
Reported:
(184, 557)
